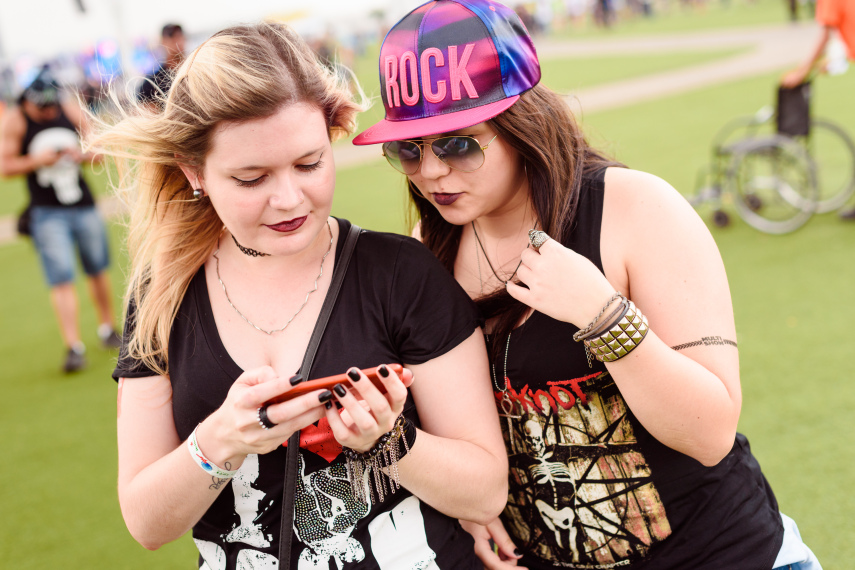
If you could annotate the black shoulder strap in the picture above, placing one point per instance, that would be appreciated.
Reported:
(294, 442)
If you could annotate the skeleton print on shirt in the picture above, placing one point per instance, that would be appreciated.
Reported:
(580, 491)
(63, 175)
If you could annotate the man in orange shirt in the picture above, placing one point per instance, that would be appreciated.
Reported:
(833, 15)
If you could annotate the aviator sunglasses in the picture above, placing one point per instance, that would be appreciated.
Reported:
(463, 153)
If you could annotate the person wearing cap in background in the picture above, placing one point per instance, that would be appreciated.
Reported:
(39, 140)
(609, 319)
(173, 42)
(834, 16)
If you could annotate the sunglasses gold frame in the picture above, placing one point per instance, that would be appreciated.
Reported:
(421, 143)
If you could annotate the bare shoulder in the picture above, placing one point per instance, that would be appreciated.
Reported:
(13, 122)
(649, 208)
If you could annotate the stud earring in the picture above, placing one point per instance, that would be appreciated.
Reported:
(197, 194)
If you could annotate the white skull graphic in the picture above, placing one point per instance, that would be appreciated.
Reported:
(62, 176)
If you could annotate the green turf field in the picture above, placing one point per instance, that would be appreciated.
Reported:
(790, 297)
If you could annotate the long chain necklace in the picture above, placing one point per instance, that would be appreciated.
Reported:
(506, 404)
(315, 288)
(478, 259)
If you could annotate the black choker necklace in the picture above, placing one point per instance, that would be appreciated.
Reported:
(248, 251)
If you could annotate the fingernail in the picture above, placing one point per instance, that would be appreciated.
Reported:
(325, 396)
(338, 405)
(517, 552)
(328, 405)
(339, 390)
(353, 374)
(384, 372)
(296, 379)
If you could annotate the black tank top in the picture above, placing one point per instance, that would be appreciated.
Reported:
(589, 486)
(62, 183)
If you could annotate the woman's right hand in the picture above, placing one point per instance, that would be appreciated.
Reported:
(233, 431)
(506, 557)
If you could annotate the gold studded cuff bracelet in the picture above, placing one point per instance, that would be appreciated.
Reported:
(621, 338)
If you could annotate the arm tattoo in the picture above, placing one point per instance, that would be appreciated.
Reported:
(217, 482)
(706, 341)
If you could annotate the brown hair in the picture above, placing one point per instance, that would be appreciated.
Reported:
(241, 73)
(555, 154)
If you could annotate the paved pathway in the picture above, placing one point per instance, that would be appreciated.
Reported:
(769, 48)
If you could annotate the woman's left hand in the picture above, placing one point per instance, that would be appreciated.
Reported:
(561, 283)
(365, 419)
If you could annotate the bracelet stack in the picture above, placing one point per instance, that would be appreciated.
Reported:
(617, 335)
(389, 449)
(207, 465)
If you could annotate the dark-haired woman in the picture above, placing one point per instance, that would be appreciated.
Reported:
(613, 345)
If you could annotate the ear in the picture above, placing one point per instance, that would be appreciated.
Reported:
(194, 177)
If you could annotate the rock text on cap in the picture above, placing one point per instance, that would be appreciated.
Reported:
(402, 76)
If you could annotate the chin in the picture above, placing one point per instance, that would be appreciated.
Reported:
(456, 216)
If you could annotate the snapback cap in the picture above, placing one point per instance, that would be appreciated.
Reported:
(43, 91)
(451, 64)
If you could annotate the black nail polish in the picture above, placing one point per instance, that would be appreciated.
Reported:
(328, 405)
(338, 405)
(325, 396)
(353, 374)
(517, 552)
(339, 390)
(383, 371)
(296, 379)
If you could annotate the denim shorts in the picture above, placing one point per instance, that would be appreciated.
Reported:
(56, 231)
(794, 553)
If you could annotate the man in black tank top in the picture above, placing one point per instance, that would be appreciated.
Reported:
(38, 139)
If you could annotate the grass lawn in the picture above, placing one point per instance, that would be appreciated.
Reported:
(795, 348)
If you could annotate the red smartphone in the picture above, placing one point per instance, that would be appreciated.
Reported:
(330, 381)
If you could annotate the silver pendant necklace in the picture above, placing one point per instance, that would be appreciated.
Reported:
(506, 404)
(305, 302)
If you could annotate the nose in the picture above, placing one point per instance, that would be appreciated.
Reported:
(286, 194)
(432, 167)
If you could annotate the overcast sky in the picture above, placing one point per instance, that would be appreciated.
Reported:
(44, 27)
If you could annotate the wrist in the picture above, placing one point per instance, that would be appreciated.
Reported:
(213, 442)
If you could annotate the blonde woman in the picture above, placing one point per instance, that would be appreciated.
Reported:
(232, 249)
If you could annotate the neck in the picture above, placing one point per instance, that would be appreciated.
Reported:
(277, 266)
(509, 222)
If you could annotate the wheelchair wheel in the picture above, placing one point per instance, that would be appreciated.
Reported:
(833, 152)
(773, 182)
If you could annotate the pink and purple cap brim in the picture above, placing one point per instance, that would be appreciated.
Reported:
(449, 65)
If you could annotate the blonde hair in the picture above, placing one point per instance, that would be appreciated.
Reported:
(241, 73)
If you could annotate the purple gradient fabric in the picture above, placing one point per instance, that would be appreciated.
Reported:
(449, 56)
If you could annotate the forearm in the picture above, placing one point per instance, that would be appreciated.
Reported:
(818, 51)
(165, 500)
(18, 165)
(456, 477)
(680, 402)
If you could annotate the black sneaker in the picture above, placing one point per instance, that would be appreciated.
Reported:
(848, 215)
(112, 340)
(74, 361)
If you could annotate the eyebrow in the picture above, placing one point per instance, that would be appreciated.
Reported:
(257, 167)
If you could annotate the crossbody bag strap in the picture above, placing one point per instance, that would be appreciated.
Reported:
(290, 488)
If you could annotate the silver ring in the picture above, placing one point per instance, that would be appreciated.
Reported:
(537, 238)
(263, 420)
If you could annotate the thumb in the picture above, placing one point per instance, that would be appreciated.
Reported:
(518, 292)
(503, 540)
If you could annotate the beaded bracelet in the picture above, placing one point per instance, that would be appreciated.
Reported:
(389, 449)
(206, 464)
(620, 339)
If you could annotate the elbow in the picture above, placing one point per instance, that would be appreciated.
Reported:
(716, 450)
(492, 505)
(144, 538)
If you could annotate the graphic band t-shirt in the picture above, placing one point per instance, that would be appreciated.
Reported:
(589, 487)
(60, 184)
(397, 305)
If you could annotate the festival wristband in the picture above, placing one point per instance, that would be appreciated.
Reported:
(206, 464)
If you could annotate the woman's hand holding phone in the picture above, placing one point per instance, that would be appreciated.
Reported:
(368, 411)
